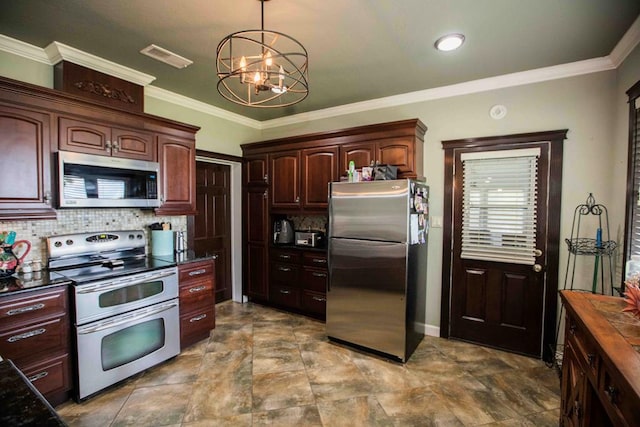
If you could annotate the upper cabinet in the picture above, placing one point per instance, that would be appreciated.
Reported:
(36, 122)
(177, 157)
(285, 179)
(26, 190)
(96, 138)
(299, 168)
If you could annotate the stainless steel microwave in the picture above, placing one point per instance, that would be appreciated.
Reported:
(89, 181)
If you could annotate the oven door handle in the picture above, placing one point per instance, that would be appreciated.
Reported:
(128, 319)
(123, 283)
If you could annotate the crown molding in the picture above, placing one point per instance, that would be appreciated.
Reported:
(475, 86)
(57, 52)
(183, 101)
(23, 49)
(627, 43)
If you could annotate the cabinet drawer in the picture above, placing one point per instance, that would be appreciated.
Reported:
(196, 291)
(313, 259)
(584, 347)
(51, 375)
(314, 279)
(315, 302)
(196, 325)
(42, 337)
(32, 306)
(620, 401)
(196, 270)
(285, 273)
(286, 256)
(285, 295)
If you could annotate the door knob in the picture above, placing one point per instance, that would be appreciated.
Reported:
(537, 268)
(537, 252)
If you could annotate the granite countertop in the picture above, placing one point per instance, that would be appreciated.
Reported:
(322, 249)
(27, 282)
(184, 257)
(20, 403)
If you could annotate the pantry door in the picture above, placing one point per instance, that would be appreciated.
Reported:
(502, 204)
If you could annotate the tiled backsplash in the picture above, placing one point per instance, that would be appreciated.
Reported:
(309, 222)
(85, 221)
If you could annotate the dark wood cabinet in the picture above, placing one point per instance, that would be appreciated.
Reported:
(256, 238)
(285, 180)
(26, 190)
(36, 122)
(256, 170)
(197, 301)
(319, 168)
(400, 151)
(34, 334)
(177, 158)
(298, 280)
(600, 365)
(101, 139)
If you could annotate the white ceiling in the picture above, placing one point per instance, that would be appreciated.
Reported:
(359, 50)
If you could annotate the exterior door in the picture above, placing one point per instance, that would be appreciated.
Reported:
(502, 274)
(212, 223)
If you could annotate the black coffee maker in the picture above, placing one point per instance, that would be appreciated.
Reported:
(283, 233)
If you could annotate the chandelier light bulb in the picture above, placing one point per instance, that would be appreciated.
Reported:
(268, 60)
(256, 77)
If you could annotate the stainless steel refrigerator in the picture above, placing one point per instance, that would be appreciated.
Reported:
(377, 265)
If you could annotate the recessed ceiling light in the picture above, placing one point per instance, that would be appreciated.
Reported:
(449, 42)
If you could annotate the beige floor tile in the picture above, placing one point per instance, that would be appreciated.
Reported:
(261, 366)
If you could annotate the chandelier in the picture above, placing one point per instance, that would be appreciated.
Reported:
(261, 68)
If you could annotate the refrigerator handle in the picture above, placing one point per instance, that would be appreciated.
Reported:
(329, 267)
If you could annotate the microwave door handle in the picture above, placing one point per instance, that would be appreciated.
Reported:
(112, 323)
(122, 283)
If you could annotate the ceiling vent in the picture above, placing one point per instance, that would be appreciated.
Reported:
(163, 55)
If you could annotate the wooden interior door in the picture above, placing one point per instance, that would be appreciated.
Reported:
(212, 223)
(504, 303)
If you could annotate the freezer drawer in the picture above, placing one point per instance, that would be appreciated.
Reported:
(366, 298)
(377, 210)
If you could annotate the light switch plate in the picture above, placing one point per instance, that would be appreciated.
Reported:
(436, 221)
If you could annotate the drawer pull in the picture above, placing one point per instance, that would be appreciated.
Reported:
(198, 318)
(319, 299)
(572, 329)
(319, 260)
(197, 289)
(591, 358)
(285, 269)
(285, 292)
(577, 409)
(38, 376)
(27, 335)
(612, 393)
(26, 309)
(314, 274)
(197, 272)
(285, 256)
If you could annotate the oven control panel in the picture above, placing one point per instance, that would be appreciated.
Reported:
(81, 243)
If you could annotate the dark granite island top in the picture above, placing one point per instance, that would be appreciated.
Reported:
(20, 403)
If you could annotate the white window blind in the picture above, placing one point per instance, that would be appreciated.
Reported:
(499, 205)
(634, 134)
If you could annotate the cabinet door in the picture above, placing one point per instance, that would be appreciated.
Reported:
(285, 180)
(25, 191)
(398, 152)
(574, 388)
(84, 137)
(255, 170)
(177, 158)
(362, 154)
(319, 168)
(132, 144)
(256, 259)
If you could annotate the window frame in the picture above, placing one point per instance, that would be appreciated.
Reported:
(632, 210)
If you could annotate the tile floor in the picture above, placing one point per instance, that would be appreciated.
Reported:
(265, 367)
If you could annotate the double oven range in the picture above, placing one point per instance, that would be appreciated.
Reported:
(125, 305)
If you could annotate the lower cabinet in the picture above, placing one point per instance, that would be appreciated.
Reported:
(197, 301)
(298, 280)
(34, 334)
(600, 366)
